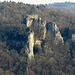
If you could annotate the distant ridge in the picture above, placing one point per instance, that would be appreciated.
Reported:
(65, 6)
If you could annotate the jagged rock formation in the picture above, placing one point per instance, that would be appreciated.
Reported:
(57, 34)
(44, 30)
(30, 19)
(35, 19)
(37, 33)
(54, 29)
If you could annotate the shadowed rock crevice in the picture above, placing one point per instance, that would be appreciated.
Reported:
(35, 50)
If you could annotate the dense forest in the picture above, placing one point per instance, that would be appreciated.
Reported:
(51, 59)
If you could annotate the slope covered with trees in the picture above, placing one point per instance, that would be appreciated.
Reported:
(65, 6)
(52, 59)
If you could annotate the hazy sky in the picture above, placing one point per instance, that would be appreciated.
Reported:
(39, 1)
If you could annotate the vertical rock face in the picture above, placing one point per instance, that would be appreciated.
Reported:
(31, 45)
(44, 30)
(38, 29)
(44, 33)
(55, 31)
(57, 34)
(33, 21)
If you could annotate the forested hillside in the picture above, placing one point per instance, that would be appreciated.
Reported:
(65, 6)
(49, 58)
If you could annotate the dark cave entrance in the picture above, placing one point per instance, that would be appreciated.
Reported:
(35, 50)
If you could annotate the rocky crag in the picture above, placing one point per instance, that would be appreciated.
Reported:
(40, 27)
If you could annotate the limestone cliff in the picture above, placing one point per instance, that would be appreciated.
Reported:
(57, 34)
(37, 33)
(31, 45)
(54, 29)
(36, 20)
(44, 30)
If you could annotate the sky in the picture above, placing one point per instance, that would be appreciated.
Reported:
(40, 1)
